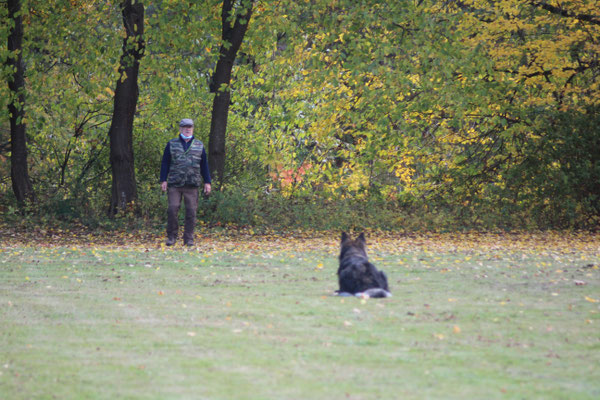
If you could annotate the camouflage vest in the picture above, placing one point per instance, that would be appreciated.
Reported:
(185, 165)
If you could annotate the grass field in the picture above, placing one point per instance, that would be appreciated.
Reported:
(471, 317)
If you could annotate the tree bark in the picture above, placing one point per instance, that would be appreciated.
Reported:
(21, 183)
(232, 36)
(124, 189)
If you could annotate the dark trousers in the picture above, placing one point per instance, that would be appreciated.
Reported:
(190, 199)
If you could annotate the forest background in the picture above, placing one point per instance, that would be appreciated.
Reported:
(336, 114)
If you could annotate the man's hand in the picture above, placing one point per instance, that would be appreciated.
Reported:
(163, 186)
(207, 188)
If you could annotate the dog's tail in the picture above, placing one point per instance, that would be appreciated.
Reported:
(377, 293)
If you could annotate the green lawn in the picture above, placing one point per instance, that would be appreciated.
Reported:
(257, 321)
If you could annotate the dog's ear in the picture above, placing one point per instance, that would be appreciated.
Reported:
(361, 238)
(344, 237)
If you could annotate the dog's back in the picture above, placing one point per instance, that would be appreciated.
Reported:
(356, 274)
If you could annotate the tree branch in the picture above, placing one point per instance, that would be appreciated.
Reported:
(594, 19)
(4, 147)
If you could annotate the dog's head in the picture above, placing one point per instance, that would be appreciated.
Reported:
(356, 246)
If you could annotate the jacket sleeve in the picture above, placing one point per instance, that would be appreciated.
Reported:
(166, 163)
(204, 167)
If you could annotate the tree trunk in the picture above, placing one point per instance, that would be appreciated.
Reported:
(124, 189)
(19, 174)
(232, 38)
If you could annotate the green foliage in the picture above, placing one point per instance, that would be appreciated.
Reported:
(273, 211)
(559, 175)
(444, 114)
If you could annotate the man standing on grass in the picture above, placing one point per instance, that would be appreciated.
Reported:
(184, 167)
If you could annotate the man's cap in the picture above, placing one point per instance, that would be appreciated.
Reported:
(186, 122)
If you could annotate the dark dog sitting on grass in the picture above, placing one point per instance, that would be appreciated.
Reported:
(357, 276)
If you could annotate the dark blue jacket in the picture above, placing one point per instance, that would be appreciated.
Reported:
(166, 162)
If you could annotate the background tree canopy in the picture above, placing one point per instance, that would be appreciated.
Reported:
(402, 114)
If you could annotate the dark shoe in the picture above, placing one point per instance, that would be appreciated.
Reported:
(170, 241)
(189, 243)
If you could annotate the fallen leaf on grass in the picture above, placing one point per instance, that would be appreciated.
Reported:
(456, 329)
(591, 300)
